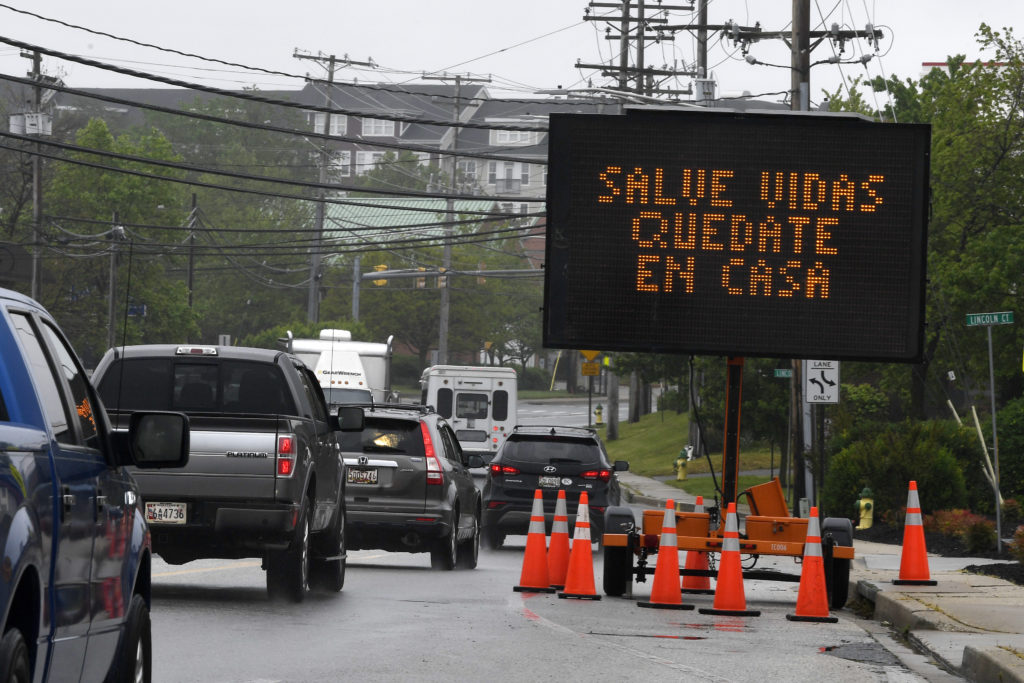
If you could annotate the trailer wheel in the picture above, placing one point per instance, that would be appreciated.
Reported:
(838, 570)
(618, 570)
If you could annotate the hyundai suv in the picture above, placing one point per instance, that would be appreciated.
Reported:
(409, 488)
(548, 458)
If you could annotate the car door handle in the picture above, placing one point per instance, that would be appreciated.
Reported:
(68, 501)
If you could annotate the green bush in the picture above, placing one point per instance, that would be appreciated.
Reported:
(1012, 512)
(887, 462)
(673, 400)
(405, 371)
(981, 536)
(1017, 545)
(533, 379)
(1011, 449)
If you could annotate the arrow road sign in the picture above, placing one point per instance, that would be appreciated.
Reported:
(821, 381)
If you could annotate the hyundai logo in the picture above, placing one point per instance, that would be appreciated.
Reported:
(549, 468)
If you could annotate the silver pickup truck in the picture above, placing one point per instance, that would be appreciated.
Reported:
(265, 471)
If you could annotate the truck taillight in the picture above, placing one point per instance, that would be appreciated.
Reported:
(434, 473)
(603, 475)
(285, 455)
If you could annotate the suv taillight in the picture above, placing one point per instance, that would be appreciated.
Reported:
(498, 470)
(603, 475)
(285, 455)
(434, 473)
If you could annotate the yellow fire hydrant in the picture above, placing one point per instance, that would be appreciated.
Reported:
(598, 411)
(866, 508)
(681, 466)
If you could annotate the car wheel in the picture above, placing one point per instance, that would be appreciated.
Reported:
(444, 554)
(288, 571)
(493, 538)
(134, 659)
(14, 658)
(329, 575)
(469, 550)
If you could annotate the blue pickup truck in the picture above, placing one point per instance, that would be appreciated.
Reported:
(75, 563)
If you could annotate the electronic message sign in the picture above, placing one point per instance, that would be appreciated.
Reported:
(725, 233)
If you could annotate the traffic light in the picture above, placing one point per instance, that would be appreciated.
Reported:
(380, 268)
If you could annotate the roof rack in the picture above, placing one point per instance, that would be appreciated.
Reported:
(552, 428)
(412, 407)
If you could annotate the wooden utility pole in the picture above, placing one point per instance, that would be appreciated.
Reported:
(315, 275)
(453, 166)
(37, 181)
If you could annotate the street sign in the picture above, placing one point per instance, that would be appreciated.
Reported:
(736, 234)
(590, 369)
(785, 373)
(1001, 318)
(821, 381)
(590, 355)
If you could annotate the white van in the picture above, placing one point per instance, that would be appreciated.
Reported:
(480, 402)
(348, 371)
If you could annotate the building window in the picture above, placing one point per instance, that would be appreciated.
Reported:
(424, 158)
(378, 128)
(468, 169)
(339, 123)
(524, 173)
(367, 161)
(492, 172)
(514, 137)
(341, 163)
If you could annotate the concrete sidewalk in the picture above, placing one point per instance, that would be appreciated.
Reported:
(972, 625)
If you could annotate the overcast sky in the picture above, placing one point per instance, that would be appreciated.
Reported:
(523, 47)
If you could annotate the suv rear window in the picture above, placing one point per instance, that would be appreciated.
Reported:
(520, 448)
(387, 436)
(167, 384)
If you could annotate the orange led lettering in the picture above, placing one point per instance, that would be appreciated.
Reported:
(817, 280)
(718, 187)
(741, 234)
(815, 192)
(614, 191)
(710, 231)
(769, 236)
(733, 263)
(761, 279)
(866, 186)
(643, 274)
(685, 274)
(636, 183)
(691, 231)
(655, 237)
(821, 236)
(843, 192)
(788, 279)
(798, 232)
(659, 184)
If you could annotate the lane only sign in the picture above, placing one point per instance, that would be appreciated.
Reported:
(821, 381)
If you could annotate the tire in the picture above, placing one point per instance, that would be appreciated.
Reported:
(618, 570)
(838, 571)
(469, 550)
(133, 662)
(444, 553)
(288, 571)
(329, 575)
(14, 658)
(493, 538)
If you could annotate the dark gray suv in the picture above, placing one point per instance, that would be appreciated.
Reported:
(409, 488)
(548, 458)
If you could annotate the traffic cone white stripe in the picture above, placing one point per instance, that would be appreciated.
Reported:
(915, 518)
(536, 525)
(582, 530)
(669, 538)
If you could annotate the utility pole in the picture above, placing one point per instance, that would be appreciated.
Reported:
(453, 165)
(313, 298)
(116, 234)
(37, 161)
(642, 77)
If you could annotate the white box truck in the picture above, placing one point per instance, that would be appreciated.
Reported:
(480, 402)
(348, 371)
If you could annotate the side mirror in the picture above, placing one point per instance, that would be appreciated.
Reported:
(158, 440)
(475, 460)
(621, 465)
(350, 418)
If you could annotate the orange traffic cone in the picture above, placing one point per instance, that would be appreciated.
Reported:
(579, 579)
(914, 555)
(729, 598)
(558, 548)
(812, 598)
(534, 577)
(665, 591)
(697, 561)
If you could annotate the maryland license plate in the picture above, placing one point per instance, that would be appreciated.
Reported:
(362, 476)
(549, 482)
(166, 513)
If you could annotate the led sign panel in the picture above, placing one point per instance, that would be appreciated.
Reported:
(725, 233)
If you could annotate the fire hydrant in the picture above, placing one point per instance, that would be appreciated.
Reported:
(598, 411)
(681, 465)
(866, 508)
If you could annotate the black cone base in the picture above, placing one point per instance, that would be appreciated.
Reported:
(731, 612)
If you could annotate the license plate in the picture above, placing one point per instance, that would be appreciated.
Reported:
(165, 513)
(362, 476)
(552, 482)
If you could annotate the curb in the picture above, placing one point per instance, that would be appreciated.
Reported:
(907, 615)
